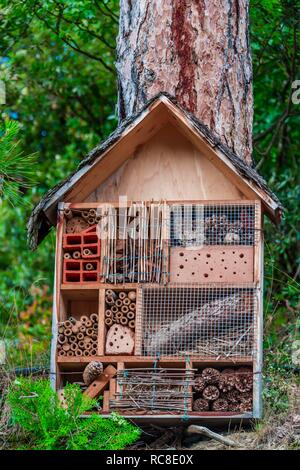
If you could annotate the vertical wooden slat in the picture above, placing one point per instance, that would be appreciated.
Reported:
(54, 370)
(105, 407)
(101, 322)
(166, 239)
(112, 389)
(120, 366)
(138, 323)
(258, 343)
(189, 366)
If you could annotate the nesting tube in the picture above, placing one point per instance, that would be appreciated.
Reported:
(94, 317)
(67, 256)
(87, 252)
(124, 309)
(111, 293)
(85, 214)
(130, 315)
(89, 267)
(122, 295)
(83, 318)
(95, 326)
(62, 339)
(108, 314)
(132, 295)
(68, 214)
(76, 254)
(90, 331)
(131, 324)
(78, 352)
(80, 336)
(119, 303)
(126, 301)
(108, 321)
(88, 323)
(119, 315)
(114, 309)
(132, 306)
(123, 321)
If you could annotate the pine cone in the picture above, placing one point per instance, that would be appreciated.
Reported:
(244, 379)
(199, 384)
(233, 396)
(220, 405)
(200, 405)
(234, 407)
(91, 372)
(211, 375)
(227, 380)
(246, 401)
(211, 393)
(246, 404)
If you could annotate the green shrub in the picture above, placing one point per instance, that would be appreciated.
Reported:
(36, 407)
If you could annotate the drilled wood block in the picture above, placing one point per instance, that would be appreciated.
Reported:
(212, 264)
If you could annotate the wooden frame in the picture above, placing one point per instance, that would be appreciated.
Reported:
(92, 291)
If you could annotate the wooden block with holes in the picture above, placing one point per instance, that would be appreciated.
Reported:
(217, 263)
(96, 387)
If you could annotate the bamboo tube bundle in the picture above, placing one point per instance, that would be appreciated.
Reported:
(78, 337)
(120, 308)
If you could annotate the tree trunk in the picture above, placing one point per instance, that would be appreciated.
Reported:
(198, 51)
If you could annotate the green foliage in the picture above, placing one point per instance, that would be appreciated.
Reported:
(50, 426)
(16, 168)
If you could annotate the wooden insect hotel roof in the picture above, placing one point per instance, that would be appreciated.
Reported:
(128, 136)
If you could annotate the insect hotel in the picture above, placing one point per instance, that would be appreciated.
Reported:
(158, 291)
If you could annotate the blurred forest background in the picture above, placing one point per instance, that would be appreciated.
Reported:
(57, 62)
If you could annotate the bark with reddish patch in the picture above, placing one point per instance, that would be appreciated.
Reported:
(198, 51)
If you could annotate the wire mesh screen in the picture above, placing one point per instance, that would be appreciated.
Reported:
(197, 321)
(213, 224)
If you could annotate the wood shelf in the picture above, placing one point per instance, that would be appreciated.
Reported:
(146, 360)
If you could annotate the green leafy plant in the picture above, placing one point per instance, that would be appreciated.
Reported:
(16, 168)
(49, 425)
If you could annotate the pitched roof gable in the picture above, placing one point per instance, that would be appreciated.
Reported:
(44, 214)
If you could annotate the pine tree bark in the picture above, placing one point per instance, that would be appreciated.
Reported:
(196, 50)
